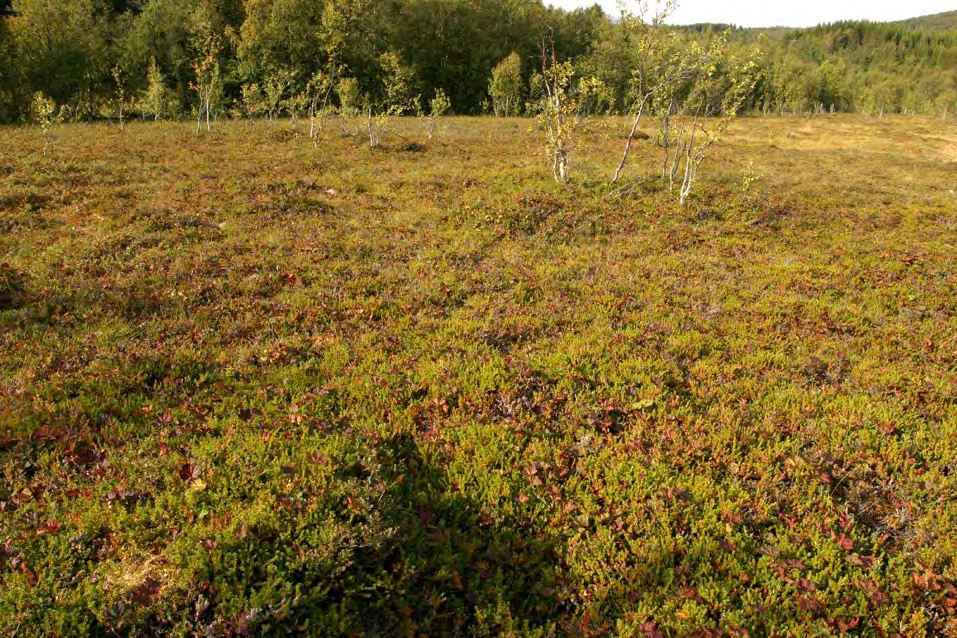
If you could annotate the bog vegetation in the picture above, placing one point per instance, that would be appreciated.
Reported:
(255, 384)
(324, 360)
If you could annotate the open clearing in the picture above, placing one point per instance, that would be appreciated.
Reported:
(249, 386)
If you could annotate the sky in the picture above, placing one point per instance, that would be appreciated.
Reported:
(789, 13)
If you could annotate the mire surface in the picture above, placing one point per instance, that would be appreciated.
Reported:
(250, 386)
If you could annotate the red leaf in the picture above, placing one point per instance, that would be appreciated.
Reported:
(793, 563)
(188, 471)
(46, 434)
(144, 593)
(318, 459)
(805, 585)
(843, 541)
(737, 519)
(846, 624)
(809, 603)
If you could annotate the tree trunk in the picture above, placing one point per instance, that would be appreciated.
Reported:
(691, 163)
(677, 161)
(631, 137)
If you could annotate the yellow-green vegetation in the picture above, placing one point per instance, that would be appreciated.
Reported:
(256, 385)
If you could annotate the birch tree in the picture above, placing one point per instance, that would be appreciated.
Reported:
(657, 63)
(45, 112)
(155, 100)
(696, 87)
(697, 105)
(119, 96)
(277, 83)
(208, 82)
(506, 86)
(714, 102)
(558, 114)
(438, 106)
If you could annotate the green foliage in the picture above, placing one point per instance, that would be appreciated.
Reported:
(454, 45)
(280, 35)
(161, 31)
(11, 83)
(439, 105)
(400, 96)
(857, 66)
(946, 21)
(62, 49)
(350, 96)
(45, 113)
(595, 97)
(474, 51)
(507, 86)
(155, 99)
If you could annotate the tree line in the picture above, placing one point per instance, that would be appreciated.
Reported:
(90, 59)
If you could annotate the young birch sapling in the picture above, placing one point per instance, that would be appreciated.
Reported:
(208, 84)
(438, 106)
(120, 95)
(254, 102)
(398, 96)
(45, 111)
(657, 63)
(318, 96)
(276, 84)
(155, 100)
(692, 126)
(558, 114)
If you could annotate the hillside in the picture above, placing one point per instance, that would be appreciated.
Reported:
(852, 66)
(936, 22)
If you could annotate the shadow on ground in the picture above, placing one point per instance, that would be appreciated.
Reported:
(12, 288)
(428, 562)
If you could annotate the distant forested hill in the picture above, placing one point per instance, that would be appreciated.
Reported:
(859, 66)
(937, 22)
(274, 56)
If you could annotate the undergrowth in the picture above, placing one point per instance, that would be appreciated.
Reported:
(249, 386)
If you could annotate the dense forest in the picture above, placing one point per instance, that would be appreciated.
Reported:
(86, 59)
(936, 22)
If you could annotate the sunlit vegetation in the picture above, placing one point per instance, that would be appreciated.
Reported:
(253, 383)
(99, 59)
